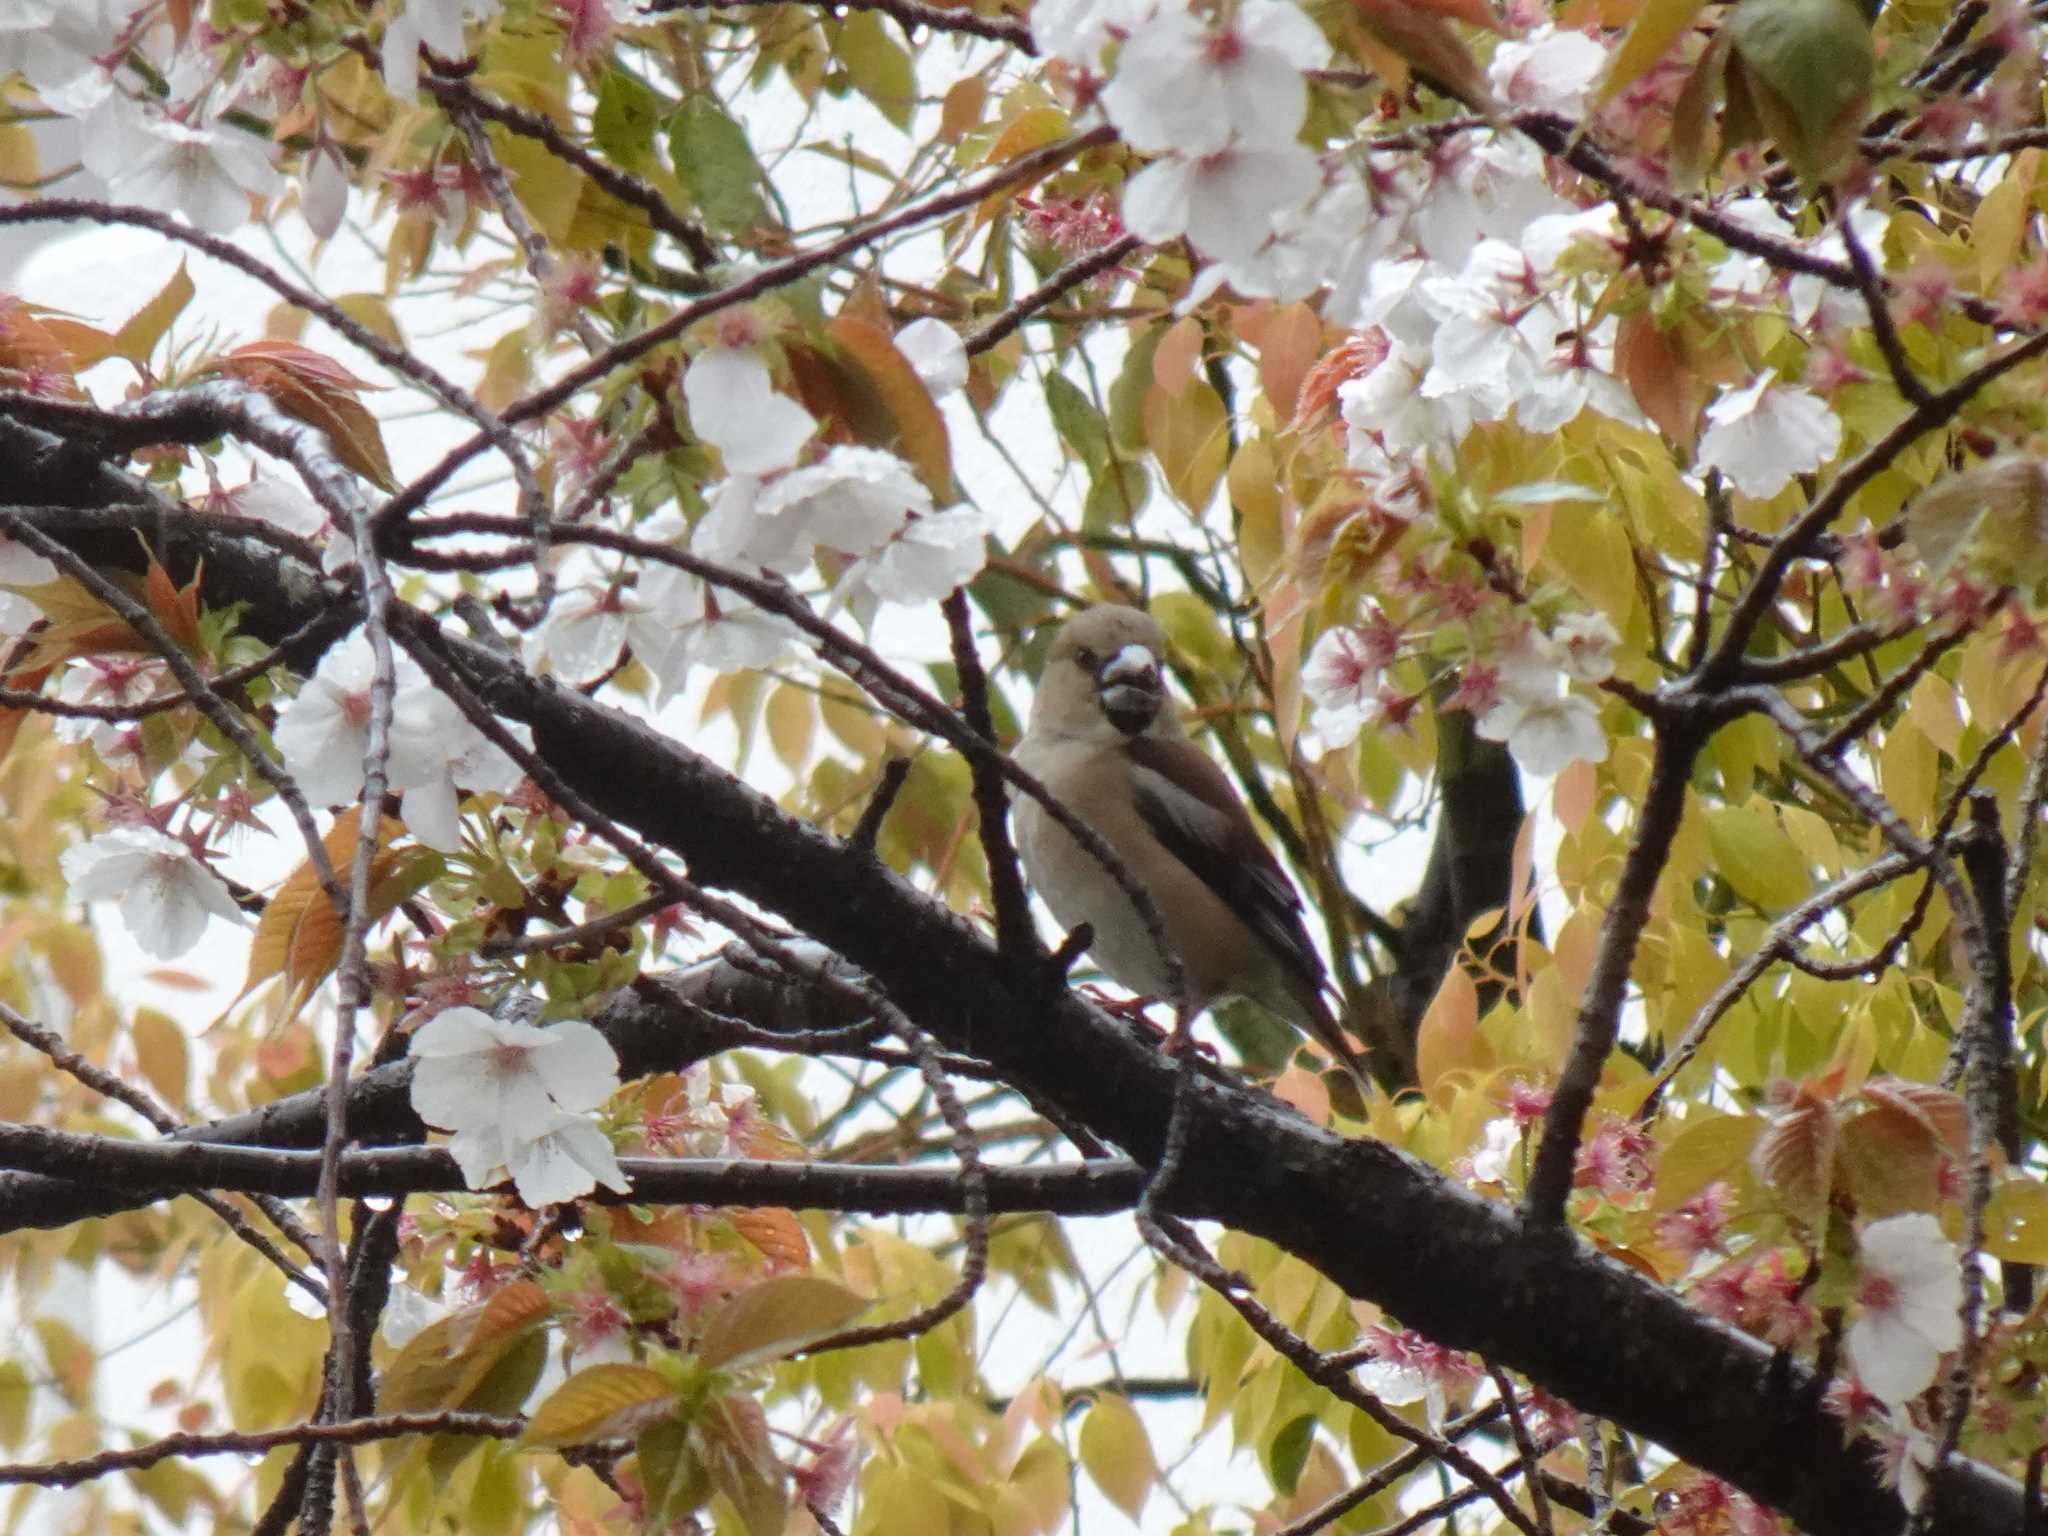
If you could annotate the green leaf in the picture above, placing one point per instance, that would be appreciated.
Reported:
(716, 163)
(1288, 1453)
(773, 1318)
(627, 114)
(1116, 496)
(732, 1437)
(1811, 63)
(878, 66)
(1078, 422)
(1755, 855)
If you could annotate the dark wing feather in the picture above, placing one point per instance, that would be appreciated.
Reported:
(1191, 807)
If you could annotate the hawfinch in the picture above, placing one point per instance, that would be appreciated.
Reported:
(1105, 741)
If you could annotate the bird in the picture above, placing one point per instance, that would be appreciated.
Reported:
(1104, 739)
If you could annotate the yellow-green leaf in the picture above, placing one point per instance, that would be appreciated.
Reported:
(145, 328)
(773, 1318)
(601, 1402)
(1117, 1453)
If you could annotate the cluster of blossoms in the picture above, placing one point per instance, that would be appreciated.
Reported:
(1521, 696)
(436, 754)
(517, 1098)
(176, 152)
(861, 509)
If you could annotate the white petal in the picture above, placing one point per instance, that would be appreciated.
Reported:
(576, 1064)
(1896, 1362)
(935, 350)
(569, 1158)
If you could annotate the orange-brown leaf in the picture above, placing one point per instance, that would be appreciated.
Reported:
(889, 407)
(776, 1232)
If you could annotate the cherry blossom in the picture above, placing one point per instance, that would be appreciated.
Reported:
(434, 24)
(1545, 726)
(55, 43)
(1223, 200)
(697, 625)
(1078, 30)
(1341, 679)
(1388, 409)
(324, 733)
(166, 892)
(935, 350)
(437, 754)
(562, 1157)
(1909, 1306)
(735, 408)
(1548, 70)
(1499, 1145)
(1583, 644)
(1408, 1367)
(1184, 86)
(207, 174)
(853, 501)
(471, 1069)
(516, 1097)
(1763, 434)
(927, 557)
(279, 501)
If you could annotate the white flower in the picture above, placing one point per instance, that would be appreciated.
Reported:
(472, 1072)
(323, 190)
(1545, 727)
(20, 567)
(922, 561)
(1223, 201)
(559, 1157)
(564, 1157)
(1910, 1302)
(703, 627)
(1495, 186)
(1583, 644)
(1763, 434)
(56, 42)
(166, 892)
(436, 754)
(1547, 734)
(437, 24)
(280, 502)
(852, 500)
(1388, 409)
(1182, 86)
(584, 631)
(1078, 30)
(325, 732)
(1490, 1160)
(935, 350)
(1547, 71)
(207, 174)
(735, 408)
(1341, 679)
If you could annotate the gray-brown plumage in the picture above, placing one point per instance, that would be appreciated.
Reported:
(1105, 740)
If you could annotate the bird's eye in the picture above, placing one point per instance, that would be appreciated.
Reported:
(1086, 659)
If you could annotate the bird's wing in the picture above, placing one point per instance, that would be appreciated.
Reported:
(1190, 806)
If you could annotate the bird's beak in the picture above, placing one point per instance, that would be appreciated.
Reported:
(1130, 688)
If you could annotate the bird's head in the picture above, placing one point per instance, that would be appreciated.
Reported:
(1105, 666)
